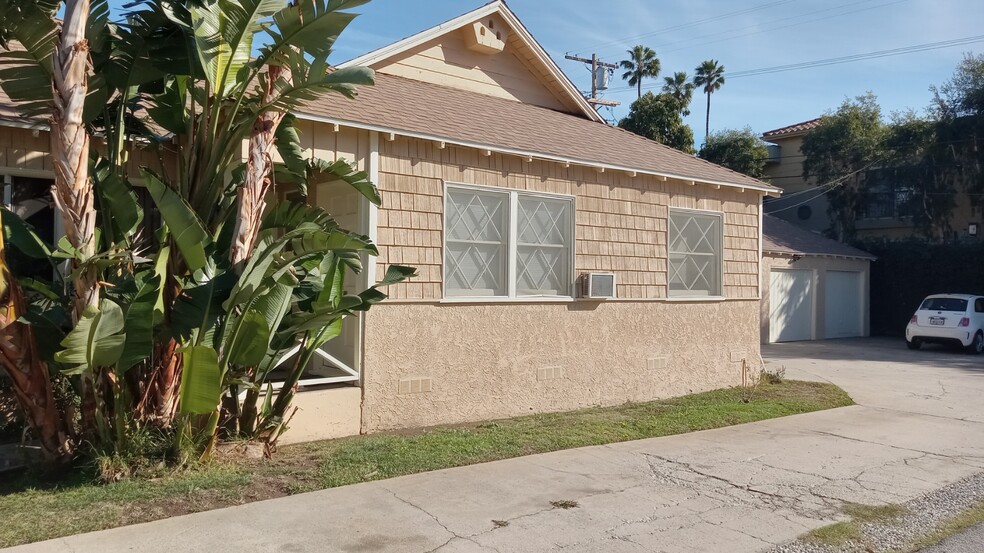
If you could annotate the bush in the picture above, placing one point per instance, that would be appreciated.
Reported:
(909, 270)
(11, 421)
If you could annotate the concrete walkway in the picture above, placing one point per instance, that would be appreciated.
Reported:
(919, 426)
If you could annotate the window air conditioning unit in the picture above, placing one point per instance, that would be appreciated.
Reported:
(598, 286)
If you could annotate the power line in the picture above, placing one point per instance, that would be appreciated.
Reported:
(688, 25)
(766, 28)
(858, 57)
(843, 59)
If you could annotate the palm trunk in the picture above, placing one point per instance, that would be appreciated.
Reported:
(707, 121)
(72, 190)
(259, 168)
(20, 359)
(639, 88)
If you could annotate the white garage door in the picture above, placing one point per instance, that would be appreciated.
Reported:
(843, 304)
(791, 300)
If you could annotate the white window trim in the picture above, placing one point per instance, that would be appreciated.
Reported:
(511, 245)
(717, 297)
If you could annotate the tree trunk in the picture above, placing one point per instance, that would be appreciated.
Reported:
(639, 85)
(20, 359)
(259, 169)
(72, 191)
(707, 120)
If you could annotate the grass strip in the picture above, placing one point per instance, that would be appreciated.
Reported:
(80, 504)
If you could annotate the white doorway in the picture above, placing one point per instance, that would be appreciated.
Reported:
(843, 304)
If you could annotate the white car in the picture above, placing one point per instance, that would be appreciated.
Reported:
(955, 319)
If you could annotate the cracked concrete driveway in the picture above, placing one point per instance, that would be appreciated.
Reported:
(919, 426)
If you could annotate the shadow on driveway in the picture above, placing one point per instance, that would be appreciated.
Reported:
(875, 350)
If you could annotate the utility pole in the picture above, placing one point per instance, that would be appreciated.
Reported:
(595, 64)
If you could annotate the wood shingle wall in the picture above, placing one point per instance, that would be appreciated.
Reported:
(621, 221)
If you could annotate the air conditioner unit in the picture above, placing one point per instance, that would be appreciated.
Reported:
(598, 286)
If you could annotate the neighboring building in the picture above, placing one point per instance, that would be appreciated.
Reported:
(813, 288)
(506, 189)
(887, 204)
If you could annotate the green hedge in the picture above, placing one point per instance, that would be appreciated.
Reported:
(909, 270)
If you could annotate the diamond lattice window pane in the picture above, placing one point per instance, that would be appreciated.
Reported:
(695, 254)
(544, 246)
(475, 258)
(476, 216)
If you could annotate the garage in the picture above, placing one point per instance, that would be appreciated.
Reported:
(813, 288)
(842, 305)
(791, 316)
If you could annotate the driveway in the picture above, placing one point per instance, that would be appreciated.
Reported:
(918, 427)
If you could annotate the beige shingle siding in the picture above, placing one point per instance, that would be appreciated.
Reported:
(620, 221)
(20, 149)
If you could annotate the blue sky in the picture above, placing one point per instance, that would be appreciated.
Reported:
(769, 33)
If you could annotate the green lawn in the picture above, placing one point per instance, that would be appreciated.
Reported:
(79, 504)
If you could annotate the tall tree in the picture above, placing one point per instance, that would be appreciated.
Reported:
(680, 87)
(738, 150)
(840, 154)
(642, 64)
(657, 117)
(709, 76)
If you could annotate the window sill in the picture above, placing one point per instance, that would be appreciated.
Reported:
(696, 299)
(529, 299)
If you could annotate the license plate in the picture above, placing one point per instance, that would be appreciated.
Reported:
(937, 321)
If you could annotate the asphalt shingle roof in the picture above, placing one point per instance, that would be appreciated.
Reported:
(783, 237)
(399, 103)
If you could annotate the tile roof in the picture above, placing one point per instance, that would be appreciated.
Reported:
(791, 130)
(435, 111)
(782, 237)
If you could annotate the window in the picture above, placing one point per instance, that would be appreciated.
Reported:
(979, 305)
(506, 243)
(695, 266)
(944, 304)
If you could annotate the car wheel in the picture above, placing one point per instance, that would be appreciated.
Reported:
(976, 346)
(914, 344)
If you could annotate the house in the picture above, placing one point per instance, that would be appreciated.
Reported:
(563, 263)
(813, 288)
(888, 205)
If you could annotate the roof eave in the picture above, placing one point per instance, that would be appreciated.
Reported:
(764, 188)
(827, 255)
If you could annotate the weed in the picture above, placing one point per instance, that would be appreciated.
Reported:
(564, 504)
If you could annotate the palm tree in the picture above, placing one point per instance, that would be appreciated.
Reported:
(680, 87)
(642, 63)
(709, 77)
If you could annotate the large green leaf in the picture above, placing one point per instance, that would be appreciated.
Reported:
(22, 237)
(311, 28)
(124, 211)
(139, 320)
(250, 340)
(96, 341)
(224, 32)
(25, 70)
(201, 380)
(186, 229)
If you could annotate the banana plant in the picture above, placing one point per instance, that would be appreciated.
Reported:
(194, 311)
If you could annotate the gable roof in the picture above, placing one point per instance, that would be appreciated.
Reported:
(784, 238)
(792, 130)
(495, 7)
(440, 113)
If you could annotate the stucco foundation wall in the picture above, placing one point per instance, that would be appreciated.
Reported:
(429, 364)
(324, 414)
(819, 266)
